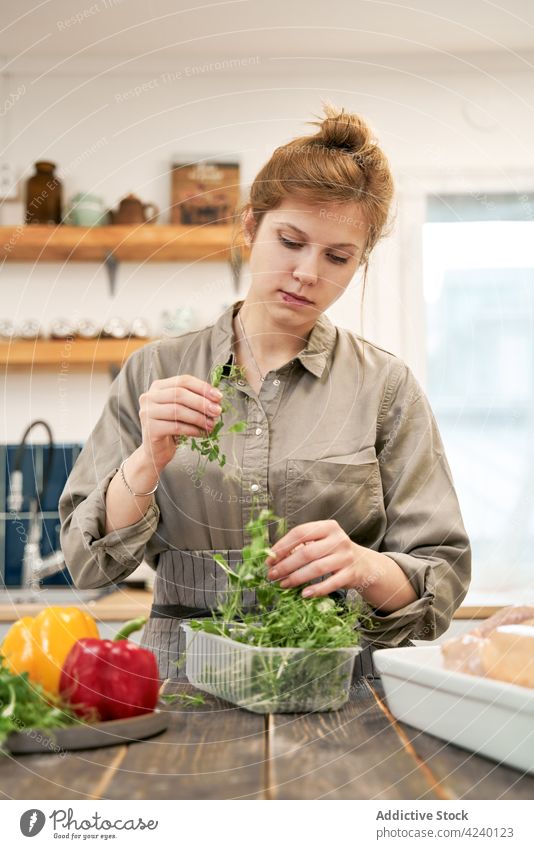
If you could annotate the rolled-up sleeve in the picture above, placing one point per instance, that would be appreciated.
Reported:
(94, 558)
(425, 533)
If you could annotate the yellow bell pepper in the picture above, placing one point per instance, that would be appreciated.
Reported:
(39, 645)
(18, 646)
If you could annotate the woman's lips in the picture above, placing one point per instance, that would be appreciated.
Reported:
(294, 299)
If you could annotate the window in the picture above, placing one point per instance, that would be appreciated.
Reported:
(478, 275)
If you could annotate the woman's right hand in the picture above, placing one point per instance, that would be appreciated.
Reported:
(182, 405)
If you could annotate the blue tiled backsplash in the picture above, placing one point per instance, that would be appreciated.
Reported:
(14, 526)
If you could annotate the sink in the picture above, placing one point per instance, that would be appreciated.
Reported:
(52, 595)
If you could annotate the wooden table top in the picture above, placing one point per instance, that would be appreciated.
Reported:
(357, 752)
(126, 603)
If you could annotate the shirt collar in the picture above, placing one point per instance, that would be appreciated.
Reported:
(314, 357)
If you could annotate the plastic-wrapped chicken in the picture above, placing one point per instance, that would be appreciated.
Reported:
(502, 647)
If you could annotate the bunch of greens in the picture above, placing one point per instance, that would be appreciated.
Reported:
(208, 447)
(25, 705)
(282, 618)
(287, 619)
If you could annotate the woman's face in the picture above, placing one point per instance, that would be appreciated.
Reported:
(311, 251)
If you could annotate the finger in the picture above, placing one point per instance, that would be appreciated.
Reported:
(189, 381)
(316, 569)
(339, 581)
(184, 415)
(307, 532)
(302, 554)
(160, 430)
(183, 397)
(188, 430)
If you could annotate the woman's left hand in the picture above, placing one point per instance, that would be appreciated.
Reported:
(312, 550)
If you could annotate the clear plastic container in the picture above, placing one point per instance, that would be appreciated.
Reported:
(269, 680)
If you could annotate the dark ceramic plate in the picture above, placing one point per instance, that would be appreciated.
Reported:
(90, 736)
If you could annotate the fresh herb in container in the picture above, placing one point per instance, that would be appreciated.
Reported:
(287, 654)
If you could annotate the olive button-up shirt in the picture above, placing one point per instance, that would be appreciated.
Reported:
(343, 431)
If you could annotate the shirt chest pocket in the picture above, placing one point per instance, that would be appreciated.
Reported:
(350, 493)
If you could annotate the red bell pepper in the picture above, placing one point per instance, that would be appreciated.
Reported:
(115, 678)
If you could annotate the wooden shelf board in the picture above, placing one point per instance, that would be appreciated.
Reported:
(63, 353)
(143, 242)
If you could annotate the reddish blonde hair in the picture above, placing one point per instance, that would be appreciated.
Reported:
(342, 162)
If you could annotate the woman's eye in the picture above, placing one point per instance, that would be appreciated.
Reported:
(338, 260)
(289, 244)
(341, 260)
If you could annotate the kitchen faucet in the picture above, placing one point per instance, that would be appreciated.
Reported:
(34, 566)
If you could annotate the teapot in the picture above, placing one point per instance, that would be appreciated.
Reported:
(133, 211)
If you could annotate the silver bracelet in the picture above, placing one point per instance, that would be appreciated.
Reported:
(128, 487)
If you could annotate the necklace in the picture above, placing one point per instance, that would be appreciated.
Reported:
(262, 377)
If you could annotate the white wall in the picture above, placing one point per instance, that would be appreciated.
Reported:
(110, 143)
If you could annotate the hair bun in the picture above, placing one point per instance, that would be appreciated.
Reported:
(341, 130)
(340, 163)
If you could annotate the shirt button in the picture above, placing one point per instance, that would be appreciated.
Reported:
(241, 382)
(276, 382)
(258, 431)
(254, 487)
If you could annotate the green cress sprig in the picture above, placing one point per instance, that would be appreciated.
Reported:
(186, 699)
(208, 446)
(282, 618)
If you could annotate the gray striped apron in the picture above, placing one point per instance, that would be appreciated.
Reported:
(189, 584)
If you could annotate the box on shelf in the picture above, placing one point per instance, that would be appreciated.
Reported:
(204, 190)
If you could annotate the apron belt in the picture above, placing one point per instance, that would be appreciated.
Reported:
(177, 611)
(180, 611)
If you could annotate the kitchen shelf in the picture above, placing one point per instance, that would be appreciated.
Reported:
(66, 353)
(135, 243)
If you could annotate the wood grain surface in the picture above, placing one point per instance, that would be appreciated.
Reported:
(217, 751)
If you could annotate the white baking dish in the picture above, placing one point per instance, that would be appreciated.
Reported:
(491, 718)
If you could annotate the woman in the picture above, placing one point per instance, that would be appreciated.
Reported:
(340, 439)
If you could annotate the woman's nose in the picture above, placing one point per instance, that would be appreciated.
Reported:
(306, 271)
